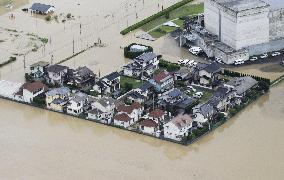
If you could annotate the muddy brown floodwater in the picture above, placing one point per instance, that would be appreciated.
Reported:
(36, 144)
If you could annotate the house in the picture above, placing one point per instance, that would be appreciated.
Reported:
(178, 128)
(108, 84)
(29, 91)
(163, 81)
(209, 74)
(221, 98)
(37, 70)
(44, 9)
(102, 110)
(203, 113)
(241, 85)
(143, 65)
(123, 120)
(173, 97)
(78, 103)
(57, 98)
(146, 89)
(148, 126)
(134, 96)
(158, 116)
(183, 74)
(134, 111)
(82, 78)
(56, 74)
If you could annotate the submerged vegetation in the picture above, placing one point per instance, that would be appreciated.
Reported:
(11, 60)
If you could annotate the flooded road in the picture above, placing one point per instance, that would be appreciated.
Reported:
(36, 144)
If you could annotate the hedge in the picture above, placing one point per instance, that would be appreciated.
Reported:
(155, 16)
(132, 55)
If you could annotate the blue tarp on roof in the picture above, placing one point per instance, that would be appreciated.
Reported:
(40, 7)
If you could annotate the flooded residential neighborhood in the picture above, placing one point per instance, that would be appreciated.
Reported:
(40, 144)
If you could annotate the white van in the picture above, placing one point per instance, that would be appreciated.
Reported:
(195, 50)
(239, 62)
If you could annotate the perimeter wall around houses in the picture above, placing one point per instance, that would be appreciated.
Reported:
(274, 45)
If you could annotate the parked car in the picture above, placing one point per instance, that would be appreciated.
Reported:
(185, 62)
(199, 93)
(195, 50)
(275, 54)
(190, 63)
(239, 62)
(218, 60)
(191, 88)
(263, 56)
(253, 58)
(180, 61)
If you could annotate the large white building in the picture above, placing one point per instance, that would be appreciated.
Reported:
(255, 25)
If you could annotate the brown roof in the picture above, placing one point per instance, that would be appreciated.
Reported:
(157, 113)
(162, 75)
(122, 117)
(34, 86)
(182, 120)
(128, 109)
(148, 123)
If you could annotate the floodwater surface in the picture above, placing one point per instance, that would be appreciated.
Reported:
(37, 144)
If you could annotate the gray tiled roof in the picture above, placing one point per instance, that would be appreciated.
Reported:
(58, 91)
(242, 84)
(40, 7)
(56, 68)
(146, 57)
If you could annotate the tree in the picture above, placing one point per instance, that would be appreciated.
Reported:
(264, 86)
(128, 86)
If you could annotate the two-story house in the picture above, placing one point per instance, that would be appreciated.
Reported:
(203, 113)
(29, 91)
(133, 111)
(108, 84)
(210, 74)
(178, 128)
(78, 103)
(37, 70)
(57, 98)
(163, 81)
(56, 74)
(82, 77)
(102, 110)
(143, 65)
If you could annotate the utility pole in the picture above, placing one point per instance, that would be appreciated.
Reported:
(73, 45)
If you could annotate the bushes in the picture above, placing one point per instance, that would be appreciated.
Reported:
(155, 16)
(132, 55)
(169, 66)
(48, 18)
(237, 74)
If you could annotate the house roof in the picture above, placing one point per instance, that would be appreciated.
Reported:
(185, 103)
(145, 86)
(161, 76)
(135, 95)
(205, 109)
(84, 72)
(146, 57)
(79, 97)
(183, 71)
(112, 76)
(34, 86)
(58, 91)
(58, 101)
(95, 111)
(122, 117)
(242, 84)
(175, 93)
(157, 113)
(212, 68)
(148, 123)
(128, 109)
(181, 121)
(41, 7)
(106, 101)
(56, 68)
(40, 64)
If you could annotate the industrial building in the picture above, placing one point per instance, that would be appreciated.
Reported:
(243, 27)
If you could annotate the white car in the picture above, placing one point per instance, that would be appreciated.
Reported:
(197, 96)
(253, 58)
(180, 61)
(263, 56)
(275, 54)
(191, 88)
(199, 93)
(185, 62)
(218, 60)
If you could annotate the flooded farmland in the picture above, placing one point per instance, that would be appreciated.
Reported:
(36, 144)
